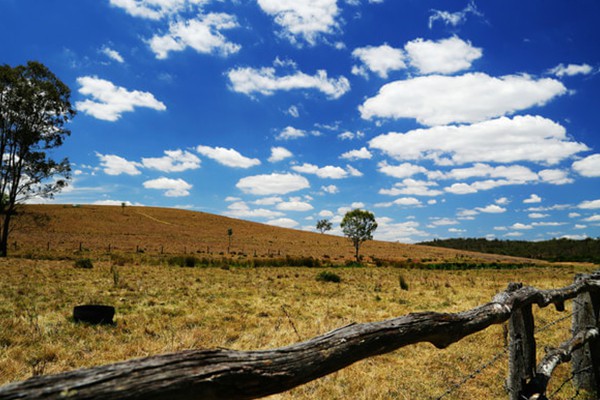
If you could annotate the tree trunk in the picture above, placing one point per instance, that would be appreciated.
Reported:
(4, 235)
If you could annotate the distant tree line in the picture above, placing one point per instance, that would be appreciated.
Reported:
(554, 250)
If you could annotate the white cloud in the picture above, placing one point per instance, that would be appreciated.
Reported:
(240, 209)
(289, 133)
(443, 222)
(173, 187)
(264, 81)
(108, 101)
(380, 60)
(460, 188)
(351, 135)
(588, 167)
(513, 173)
(572, 69)
(202, 34)
(331, 189)
(502, 140)
(593, 218)
(519, 226)
(283, 223)
(154, 9)
(502, 201)
(407, 201)
(294, 205)
(173, 161)
(412, 187)
(303, 19)
(273, 184)
(538, 215)
(404, 232)
(472, 97)
(293, 111)
(590, 204)
(115, 165)
(227, 157)
(361, 154)
(534, 198)
(455, 18)
(405, 170)
(445, 56)
(491, 209)
(112, 54)
(279, 154)
(111, 203)
(329, 171)
(268, 201)
(555, 176)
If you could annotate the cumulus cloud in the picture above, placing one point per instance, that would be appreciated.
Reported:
(555, 176)
(455, 18)
(572, 69)
(351, 135)
(227, 157)
(108, 101)
(112, 54)
(588, 167)
(329, 171)
(473, 97)
(360, 154)
(378, 59)
(491, 209)
(173, 161)
(503, 140)
(240, 209)
(283, 223)
(265, 81)
(272, 184)
(331, 189)
(404, 232)
(303, 20)
(532, 199)
(172, 187)
(412, 187)
(590, 204)
(294, 205)
(445, 56)
(202, 34)
(279, 154)
(154, 9)
(404, 170)
(115, 165)
(290, 133)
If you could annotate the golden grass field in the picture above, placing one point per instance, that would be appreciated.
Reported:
(162, 308)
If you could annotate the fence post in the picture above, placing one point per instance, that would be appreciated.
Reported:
(586, 361)
(521, 347)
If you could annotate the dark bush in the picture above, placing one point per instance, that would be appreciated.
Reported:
(85, 263)
(326, 276)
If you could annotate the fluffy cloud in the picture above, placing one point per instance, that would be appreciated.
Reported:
(227, 157)
(380, 60)
(328, 171)
(405, 232)
(264, 81)
(294, 205)
(279, 154)
(503, 140)
(289, 133)
(172, 187)
(472, 97)
(273, 184)
(331, 189)
(534, 198)
(303, 19)
(154, 9)
(590, 204)
(515, 173)
(491, 209)
(112, 54)
(283, 223)
(202, 34)
(589, 166)
(412, 187)
(361, 154)
(351, 135)
(108, 101)
(115, 165)
(572, 69)
(445, 56)
(173, 161)
(555, 176)
(405, 170)
(240, 209)
(455, 18)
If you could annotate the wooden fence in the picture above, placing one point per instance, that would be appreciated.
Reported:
(228, 374)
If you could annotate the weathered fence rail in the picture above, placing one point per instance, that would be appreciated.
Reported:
(229, 374)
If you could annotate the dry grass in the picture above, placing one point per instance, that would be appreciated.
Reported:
(64, 228)
(164, 309)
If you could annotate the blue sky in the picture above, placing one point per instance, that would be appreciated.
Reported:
(443, 118)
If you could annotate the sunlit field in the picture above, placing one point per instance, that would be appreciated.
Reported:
(163, 308)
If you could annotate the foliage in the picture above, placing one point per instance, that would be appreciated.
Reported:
(34, 109)
(84, 263)
(324, 225)
(358, 226)
(327, 276)
(403, 283)
(555, 250)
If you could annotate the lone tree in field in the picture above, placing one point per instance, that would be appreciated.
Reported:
(229, 234)
(324, 225)
(34, 109)
(358, 226)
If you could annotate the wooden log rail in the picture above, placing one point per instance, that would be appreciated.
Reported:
(229, 374)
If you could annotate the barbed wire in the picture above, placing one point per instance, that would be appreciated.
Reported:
(569, 379)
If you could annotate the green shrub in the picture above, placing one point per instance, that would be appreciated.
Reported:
(403, 283)
(84, 263)
(326, 276)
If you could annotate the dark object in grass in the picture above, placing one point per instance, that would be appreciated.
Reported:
(326, 276)
(94, 314)
(85, 263)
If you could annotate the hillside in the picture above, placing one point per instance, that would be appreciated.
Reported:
(65, 229)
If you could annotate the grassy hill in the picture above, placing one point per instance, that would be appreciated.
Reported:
(64, 230)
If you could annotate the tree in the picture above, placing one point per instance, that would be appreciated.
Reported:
(34, 109)
(358, 226)
(229, 233)
(324, 225)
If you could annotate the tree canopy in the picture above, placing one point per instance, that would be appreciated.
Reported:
(324, 225)
(34, 111)
(358, 226)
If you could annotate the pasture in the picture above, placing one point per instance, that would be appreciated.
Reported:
(162, 308)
